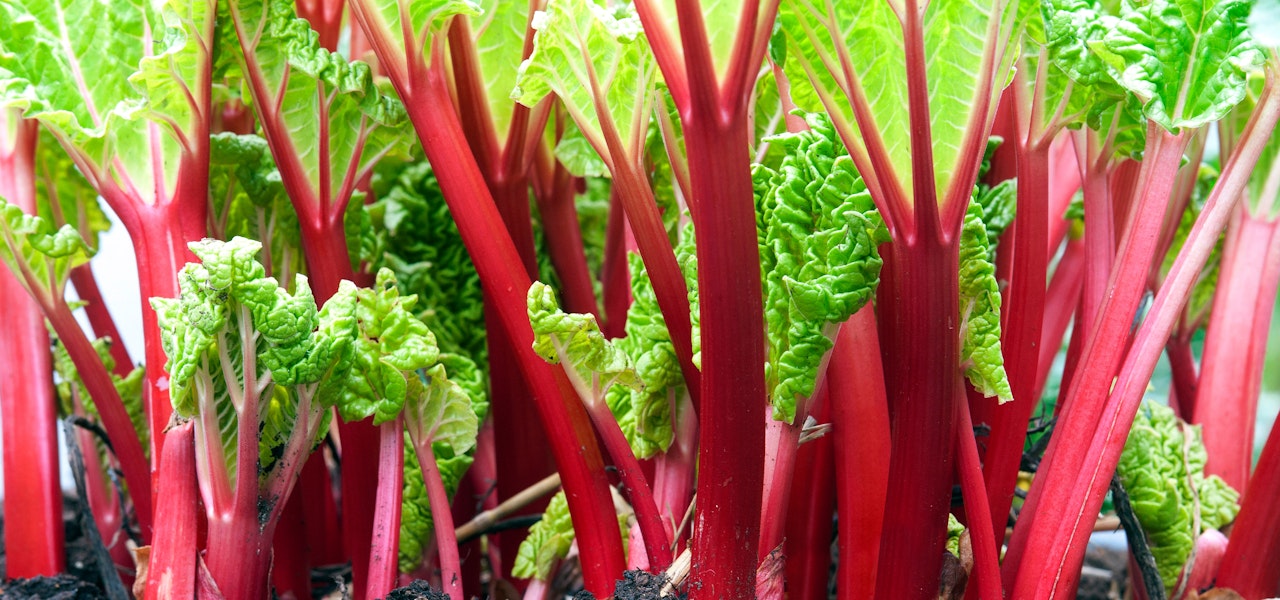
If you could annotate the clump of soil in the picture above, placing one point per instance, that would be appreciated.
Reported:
(636, 585)
(60, 587)
(418, 590)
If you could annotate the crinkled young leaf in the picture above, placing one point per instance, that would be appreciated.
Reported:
(548, 542)
(575, 339)
(327, 120)
(1162, 468)
(571, 32)
(418, 240)
(957, 48)
(980, 352)
(818, 231)
(1186, 61)
(30, 244)
(440, 411)
(226, 302)
(392, 345)
(98, 73)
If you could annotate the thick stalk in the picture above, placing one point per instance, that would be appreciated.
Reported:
(100, 320)
(813, 503)
(1021, 335)
(731, 451)
(860, 432)
(1098, 364)
(922, 356)
(1082, 484)
(502, 274)
(385, 543)
(174, 552)
(1252, 564)
(1099, 238)
(1235, 346)
(33, 536)
(290, 550)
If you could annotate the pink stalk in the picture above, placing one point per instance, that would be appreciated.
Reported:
(1076, 506)
(1252, 563)
(385, 545)
(1236, 343)
(442, 520)
(171, 572)
(33, 535)
(1099, 362)
(1060, 303)
(674, 470)
(813, 503)
(860, 433)
(656, 542)
(984, 581)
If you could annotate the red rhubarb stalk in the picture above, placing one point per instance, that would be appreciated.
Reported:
(171, 572)
(442, 520)
(100, 320)
(1252, 564)
(426, 93)
(1098, 364)
(984, 581)
(1084, 480)
(385, 545)
(1236, 342)
(813, 503)
(33, 535)
(860, 431)
(731, 450)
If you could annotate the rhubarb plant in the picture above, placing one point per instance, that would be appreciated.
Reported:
(256, 368)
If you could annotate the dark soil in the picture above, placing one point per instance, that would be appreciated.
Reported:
(61, 587)
(418, 590)
(81, 563)
(636, 585)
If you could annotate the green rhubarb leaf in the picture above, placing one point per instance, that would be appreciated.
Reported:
(392, 345)
(980, 352)
(819, 233)
(957, 50)
(583, 51)
(1072, 27)
(417, 239)
(548, 542)
(720, 19)
(328, 122)
(575, 339)
(40, 257)
(99, 73)
(440, 411)
(499, 34)
(575, 152)
(1187, 62)
(1162, 469)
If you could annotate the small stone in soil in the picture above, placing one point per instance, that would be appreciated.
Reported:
(60, 587)
(418, 590)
